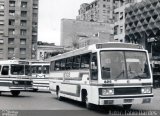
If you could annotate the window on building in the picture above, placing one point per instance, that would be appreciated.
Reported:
(11, 3)
(24, 13)
(1, 32)
(1, 22)
(11, 12)
(35, 15)
(10, 50)
(23, 4)
(23, 23)
(35, 6)
(23, 32)
(10, 40)
(1, 41)
(11, 32)
(11, 22)
(2, 6)
(23, 41)
(22, 51)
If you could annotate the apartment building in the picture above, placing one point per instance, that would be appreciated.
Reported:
(97, 11)
(119, 18)
(18, 29)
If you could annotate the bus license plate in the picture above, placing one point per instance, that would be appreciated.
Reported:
(128, 100)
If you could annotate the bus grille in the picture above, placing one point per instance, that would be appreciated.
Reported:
(127, 91)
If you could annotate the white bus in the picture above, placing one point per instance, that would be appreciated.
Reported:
(15, 76)
(40, 75)
(103, 74)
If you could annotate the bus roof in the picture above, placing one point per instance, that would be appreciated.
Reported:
(14, 62)
(94, 47)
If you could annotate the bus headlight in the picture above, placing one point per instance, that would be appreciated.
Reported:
(146, 90)
(107, 91)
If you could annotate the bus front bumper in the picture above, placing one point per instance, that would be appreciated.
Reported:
(125, 100)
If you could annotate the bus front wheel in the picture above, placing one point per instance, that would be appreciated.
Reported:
(127, 106)
(57, 93)
(87, 104)
(15, 93)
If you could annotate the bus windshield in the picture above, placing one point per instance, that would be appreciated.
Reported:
(17, 69)
(124, 65)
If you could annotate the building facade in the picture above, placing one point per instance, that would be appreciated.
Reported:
(97, 11)
(72, 30)
(119, 13)
(47, 50)
(18, 29)
(143, 26)
(100, 37)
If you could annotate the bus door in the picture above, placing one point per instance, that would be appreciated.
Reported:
(94, 69)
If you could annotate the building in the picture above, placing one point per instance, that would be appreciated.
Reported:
(72, 30)
(18, 29)
(100, 37)
(119, 13)
(143, 26)
(97, 11)
(47, 50)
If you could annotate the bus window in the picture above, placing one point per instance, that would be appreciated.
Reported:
(57, 65)
(85, 61)
(27, 70)
(63, 62)
(69, 63)
(94, 67)
(5, 70)
(46, 69)
(76, 62)
(113, 65)
(17, 69)
(39, 69)
(33, 69)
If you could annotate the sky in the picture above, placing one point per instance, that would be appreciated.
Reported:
(50, 14)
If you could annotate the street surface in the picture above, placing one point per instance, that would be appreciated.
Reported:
(45, 102)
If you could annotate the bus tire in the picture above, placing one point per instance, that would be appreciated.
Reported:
(15, 93)
(35, 90)
(57, 93)
(85, 100)
(127, 106)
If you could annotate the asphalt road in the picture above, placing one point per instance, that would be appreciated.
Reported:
(45, 104)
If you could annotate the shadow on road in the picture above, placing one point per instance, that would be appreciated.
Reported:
(7, 94)
(108, 110)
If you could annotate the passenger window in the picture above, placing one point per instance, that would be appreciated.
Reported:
(76, 62)
(5, 70)
(85, 61)
(57, 65)
(69, 62)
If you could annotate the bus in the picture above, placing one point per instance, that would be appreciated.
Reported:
(103, 74)
(15, 76)
(40, 75)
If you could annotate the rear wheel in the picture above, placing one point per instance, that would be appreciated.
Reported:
(15, 93)
(127, 106)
